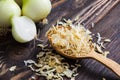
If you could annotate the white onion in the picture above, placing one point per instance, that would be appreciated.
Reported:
(23, 29)
(8, 8)
(36, 9)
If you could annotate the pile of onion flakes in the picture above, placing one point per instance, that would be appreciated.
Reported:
(52, 66)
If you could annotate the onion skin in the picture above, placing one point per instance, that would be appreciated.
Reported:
(36, 9)
(8, 9)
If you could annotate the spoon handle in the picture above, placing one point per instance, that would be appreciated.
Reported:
(112, 65)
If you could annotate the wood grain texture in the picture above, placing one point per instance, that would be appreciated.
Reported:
(15, 53)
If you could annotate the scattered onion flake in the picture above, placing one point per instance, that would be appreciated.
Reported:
(52, 66)
(12, 68)
(44, 21)
(99, 38)
(107, 40)
(103, 79)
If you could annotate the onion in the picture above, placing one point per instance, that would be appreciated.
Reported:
(8, 8)
(23, 29)
(36, 9)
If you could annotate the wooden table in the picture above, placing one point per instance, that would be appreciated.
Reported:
(107, 23)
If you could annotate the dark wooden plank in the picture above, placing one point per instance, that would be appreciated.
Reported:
(107, 27)
(15, 53)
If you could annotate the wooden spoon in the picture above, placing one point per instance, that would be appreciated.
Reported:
(112, 65)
